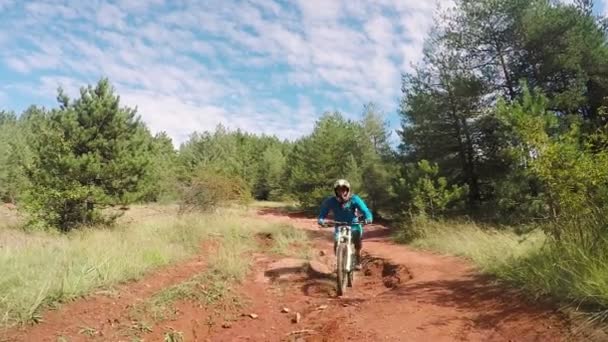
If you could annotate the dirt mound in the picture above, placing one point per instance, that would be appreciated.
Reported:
(392, 275)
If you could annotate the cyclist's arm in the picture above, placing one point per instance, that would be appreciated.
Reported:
(324, 209)
(363, 207)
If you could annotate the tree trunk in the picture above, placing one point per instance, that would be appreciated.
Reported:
(466, 153)
(474, 194)
(505, 72)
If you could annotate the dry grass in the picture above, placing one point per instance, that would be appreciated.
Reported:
(45, 268)
(9, 217)
(490, 249)
(573, 276)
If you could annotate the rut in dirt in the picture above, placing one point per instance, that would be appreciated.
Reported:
(317, 278)
(310, 288)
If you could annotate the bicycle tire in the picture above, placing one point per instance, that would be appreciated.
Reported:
(351, 275)
(341, 272)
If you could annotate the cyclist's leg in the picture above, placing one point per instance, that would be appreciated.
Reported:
(336, 233)
(358, 242)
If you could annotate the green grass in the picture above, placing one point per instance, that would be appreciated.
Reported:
(227, 266)
(572, 276)
(576, 276)
(285, 207)
(205, 288)
(289, 241)
(489, 249)
(42, 269)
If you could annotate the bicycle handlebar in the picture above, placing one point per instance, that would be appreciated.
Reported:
(333, 222)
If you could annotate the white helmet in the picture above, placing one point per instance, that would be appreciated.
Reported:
(342, 183)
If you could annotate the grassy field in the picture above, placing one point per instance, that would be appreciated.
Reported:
(490, 249)
(41, 269)
(574, 277)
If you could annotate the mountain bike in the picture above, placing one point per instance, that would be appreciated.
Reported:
(345, 255)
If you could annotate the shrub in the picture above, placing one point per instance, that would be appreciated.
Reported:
(207, 189)
(424, 193)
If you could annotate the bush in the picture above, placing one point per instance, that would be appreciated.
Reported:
(411, 228)
(424, 193)
(207, 189)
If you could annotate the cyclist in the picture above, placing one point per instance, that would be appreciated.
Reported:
(344, 206)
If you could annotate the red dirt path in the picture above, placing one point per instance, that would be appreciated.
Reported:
(401, 295)
(446, 300)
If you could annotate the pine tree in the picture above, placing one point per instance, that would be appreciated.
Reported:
(8, 133)
(88, 154)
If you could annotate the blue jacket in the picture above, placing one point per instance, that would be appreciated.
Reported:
(346, 212)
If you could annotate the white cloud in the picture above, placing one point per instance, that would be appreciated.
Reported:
(320, 10)
(17, 64)
(45, 10)
(171, 114)
(138, 6)
(111, 16)
(268, 5)
(188, 65)
(50, 84)
(604, 4)
(380, 30)
(5, 4)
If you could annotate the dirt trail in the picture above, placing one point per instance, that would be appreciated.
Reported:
(445, 300)
(400, 295)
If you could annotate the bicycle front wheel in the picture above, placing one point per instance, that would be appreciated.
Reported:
(341, 278)
(351, 273)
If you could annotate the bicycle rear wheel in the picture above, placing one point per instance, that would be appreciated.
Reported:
(341, 278)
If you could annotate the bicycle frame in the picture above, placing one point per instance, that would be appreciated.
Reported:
(345, 236)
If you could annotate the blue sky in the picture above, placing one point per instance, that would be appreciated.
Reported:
(265, 66)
